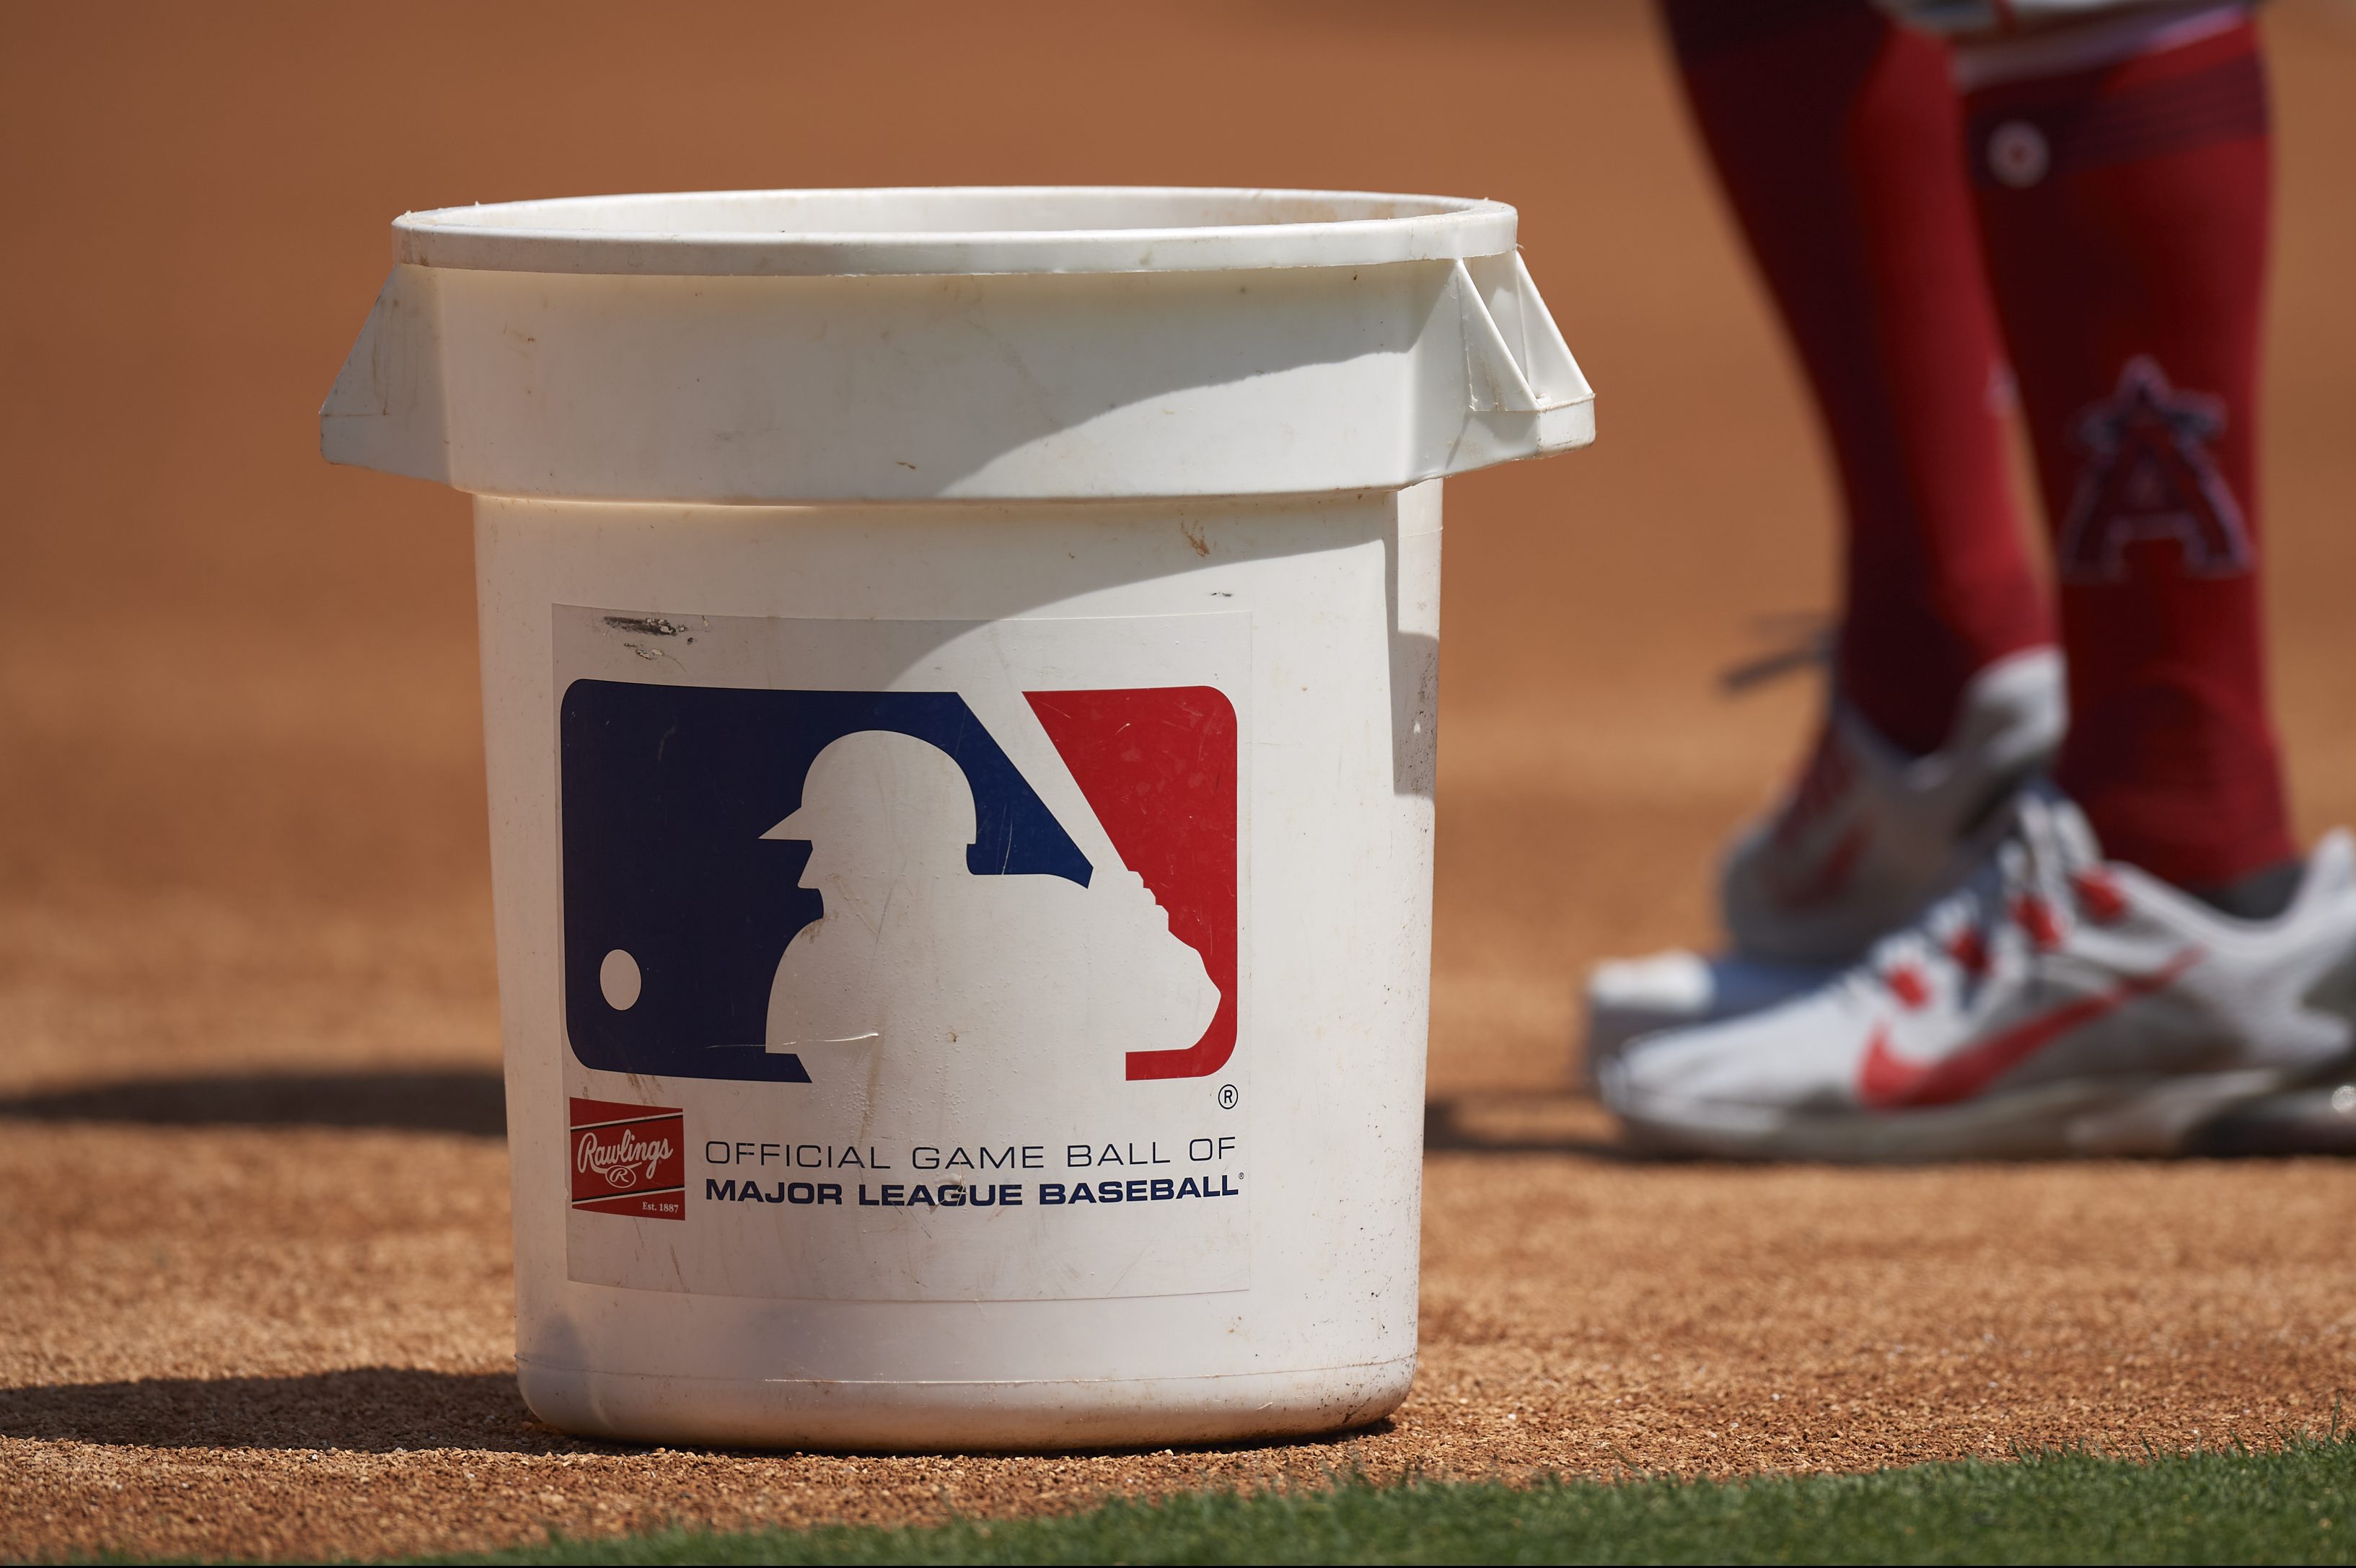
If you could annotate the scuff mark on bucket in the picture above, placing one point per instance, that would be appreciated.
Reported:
(648, 626)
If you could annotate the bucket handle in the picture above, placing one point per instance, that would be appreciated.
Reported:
(386, 410)
(1515, 360)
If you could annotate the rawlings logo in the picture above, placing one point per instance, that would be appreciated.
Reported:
(623, 1161)
(630, 1159)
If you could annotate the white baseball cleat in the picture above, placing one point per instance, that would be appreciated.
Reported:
(1862, 841)
(1869, 835)
(1630, 996)
(2053, 1004)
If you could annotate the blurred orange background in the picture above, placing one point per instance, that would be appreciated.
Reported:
(240, 795)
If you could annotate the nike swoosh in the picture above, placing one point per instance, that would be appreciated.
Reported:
(1887, 1083)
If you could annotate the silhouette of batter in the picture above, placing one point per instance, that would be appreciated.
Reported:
(956, 980)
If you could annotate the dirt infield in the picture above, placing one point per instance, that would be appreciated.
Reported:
(256, 1292)
(220, 1357)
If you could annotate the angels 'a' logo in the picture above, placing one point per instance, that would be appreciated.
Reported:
(2149, 475)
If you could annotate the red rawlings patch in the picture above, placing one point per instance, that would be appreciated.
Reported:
(628, 1159)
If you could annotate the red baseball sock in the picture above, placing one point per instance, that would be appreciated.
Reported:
(1838, 138)
(2124, 208)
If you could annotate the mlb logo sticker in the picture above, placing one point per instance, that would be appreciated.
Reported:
(760, 881)
(897, 914)
(628, 1159)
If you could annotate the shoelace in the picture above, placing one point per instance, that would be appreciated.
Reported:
(1807, 639)
(1828, 779)
(2033, 884)
(1804, 640)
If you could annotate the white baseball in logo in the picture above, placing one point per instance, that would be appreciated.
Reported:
(620, 980)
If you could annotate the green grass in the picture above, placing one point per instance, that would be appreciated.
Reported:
(2297, 1504)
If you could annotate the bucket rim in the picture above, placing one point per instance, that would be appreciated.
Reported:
(658, 233)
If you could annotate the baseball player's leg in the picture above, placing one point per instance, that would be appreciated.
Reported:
(2124, 202)
(1836, 138)
(2114, 979)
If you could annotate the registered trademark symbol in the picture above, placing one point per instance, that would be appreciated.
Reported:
(1228, 1096)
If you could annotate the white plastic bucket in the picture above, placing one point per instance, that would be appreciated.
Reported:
(958, 670)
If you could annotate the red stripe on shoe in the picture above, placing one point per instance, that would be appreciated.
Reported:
(1886, 1082)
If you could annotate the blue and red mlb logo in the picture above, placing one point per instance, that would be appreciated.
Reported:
(754, 875)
